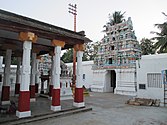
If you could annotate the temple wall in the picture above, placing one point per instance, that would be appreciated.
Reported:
(99, 80)
(126, 82)
(149, 76)
(87, 72)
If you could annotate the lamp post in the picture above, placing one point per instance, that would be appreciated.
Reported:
(73, 11)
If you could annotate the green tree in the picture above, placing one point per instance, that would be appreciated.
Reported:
(68, 56)
(91, 50)
(161, 44)
(89, 53)
(147, 46)
(115, 18)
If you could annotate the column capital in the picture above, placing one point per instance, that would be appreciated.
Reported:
(79, 47)
(58, 43)
(28, 36)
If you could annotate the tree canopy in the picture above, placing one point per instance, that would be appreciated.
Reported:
(161, 44)
(115, 18)
(89, 53)
(147, 46)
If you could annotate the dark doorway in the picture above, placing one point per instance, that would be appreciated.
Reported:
(113, 79)
(110, 60)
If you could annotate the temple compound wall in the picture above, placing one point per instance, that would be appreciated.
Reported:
(150, 82)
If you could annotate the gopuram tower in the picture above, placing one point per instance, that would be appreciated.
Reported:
(115, 64)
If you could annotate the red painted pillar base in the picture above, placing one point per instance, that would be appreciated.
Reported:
(24, 104)
(36, 87)
(50, 90)
(5, 95)
(78, 98)
(32, 93)
(17, 88)
(55, 100)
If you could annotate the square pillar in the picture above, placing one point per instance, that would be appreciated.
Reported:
(37, 75)
(56, 75)
(18, 76)
(32, 80)
(78, 97)
(51, 83)
(24, 94)
(5, 97)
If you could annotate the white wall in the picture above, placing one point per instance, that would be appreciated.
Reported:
(99, 80)
(87, 70)
(150, 64)
(126, 82)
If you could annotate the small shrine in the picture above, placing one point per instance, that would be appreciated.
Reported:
(45, 67)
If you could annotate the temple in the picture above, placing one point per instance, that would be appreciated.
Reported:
(27, 39)
(115, 64)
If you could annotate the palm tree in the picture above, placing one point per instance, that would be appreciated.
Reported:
(115, 18)
(147, 46)
(161, 44)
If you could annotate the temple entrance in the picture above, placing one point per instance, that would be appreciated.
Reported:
(110, 81)
(113, 79)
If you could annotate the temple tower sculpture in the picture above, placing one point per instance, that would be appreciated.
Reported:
(115, 64)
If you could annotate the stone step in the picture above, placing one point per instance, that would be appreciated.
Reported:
(46, 116)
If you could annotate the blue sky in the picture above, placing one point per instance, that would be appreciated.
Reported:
(92, 14)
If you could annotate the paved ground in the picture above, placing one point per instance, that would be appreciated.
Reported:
(110, 109)
(40, 107)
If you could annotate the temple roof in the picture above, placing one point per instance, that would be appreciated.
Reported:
(12, 24)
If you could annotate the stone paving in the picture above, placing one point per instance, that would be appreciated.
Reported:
(40, 107)
(108, 109)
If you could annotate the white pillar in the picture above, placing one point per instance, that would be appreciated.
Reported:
(6, 87)
(37, 75)
(18, 76)
(32, 80)
(18, 72)
(24, 97)
(1, 70)
(56, 80)
(78, 99)
(7, 67)
(51, 79)
(1, 62)
(79, 69)
(33, 69)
